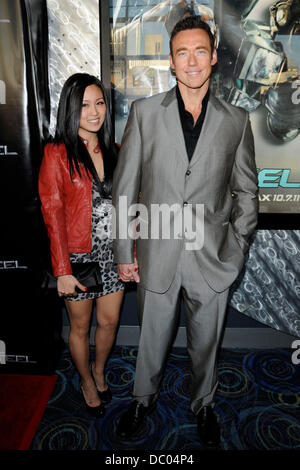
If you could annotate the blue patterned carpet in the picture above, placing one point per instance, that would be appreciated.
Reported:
(257, 403)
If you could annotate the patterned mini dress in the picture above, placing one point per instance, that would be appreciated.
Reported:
(102, 249)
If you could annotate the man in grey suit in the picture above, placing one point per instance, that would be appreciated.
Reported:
(190, 152)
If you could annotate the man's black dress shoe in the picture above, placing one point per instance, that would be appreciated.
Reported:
(132, 420)
(208, 427)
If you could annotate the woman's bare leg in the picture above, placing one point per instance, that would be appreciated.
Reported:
(107, 312)
(79, 343)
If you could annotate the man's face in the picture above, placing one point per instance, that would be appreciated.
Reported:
(192, 59)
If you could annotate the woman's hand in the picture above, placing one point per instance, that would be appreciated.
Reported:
(129, 272)
(66, 285)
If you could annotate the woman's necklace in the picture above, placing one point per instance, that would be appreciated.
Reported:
(96, 149)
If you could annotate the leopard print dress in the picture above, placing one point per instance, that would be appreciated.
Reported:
(101, 248)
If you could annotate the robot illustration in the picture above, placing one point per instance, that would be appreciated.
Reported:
(253, 68)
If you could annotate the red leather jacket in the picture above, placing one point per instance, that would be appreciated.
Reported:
(66, 208)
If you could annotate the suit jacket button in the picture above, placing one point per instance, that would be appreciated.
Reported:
(188, 172)
(185, 203)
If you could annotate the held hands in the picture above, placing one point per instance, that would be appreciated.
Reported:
(66, 285)
(129, 272)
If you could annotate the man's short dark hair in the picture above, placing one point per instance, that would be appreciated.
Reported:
(192, 22)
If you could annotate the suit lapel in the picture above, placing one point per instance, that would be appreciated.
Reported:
(212, 121)
(173, 124)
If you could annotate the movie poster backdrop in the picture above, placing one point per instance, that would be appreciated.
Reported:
(24, 120)
(258, 69)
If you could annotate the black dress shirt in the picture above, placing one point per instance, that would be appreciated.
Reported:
(191, 132)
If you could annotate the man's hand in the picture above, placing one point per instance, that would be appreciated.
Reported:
(129, 272)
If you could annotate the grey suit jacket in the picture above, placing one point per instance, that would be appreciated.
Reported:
(153, 167)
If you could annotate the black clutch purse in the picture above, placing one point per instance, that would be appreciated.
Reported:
(88, 274)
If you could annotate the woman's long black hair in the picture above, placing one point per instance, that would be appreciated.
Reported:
(68, 119)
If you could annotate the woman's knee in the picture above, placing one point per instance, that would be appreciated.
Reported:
(108, 322)
(79, 330)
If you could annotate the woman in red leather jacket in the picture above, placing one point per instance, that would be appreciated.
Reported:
(78, 220)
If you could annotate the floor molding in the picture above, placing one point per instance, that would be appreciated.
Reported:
(249, 338)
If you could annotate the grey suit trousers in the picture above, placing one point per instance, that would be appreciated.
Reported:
(158, 317)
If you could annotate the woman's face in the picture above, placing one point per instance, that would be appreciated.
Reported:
(92, 112)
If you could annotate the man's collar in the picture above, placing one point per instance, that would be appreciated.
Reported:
(181, 102)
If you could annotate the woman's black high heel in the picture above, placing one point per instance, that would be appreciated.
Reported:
(95, 411)
(106, 395)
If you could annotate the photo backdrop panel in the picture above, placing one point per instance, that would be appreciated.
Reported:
(74, 44)
(268, 288)
(258, 69)
(24, 122)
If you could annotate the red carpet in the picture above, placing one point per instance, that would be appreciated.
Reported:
(23, 399)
